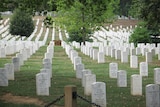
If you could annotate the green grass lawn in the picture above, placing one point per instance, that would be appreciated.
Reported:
(24, 84)
(63, 74)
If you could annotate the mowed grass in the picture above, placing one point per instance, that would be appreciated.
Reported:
(63, 74)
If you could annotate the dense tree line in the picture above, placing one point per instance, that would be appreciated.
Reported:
(147, 11)
(81, 17)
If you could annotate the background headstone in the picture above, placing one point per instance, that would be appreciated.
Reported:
(133, 61)
(143, 68)
(16, 63)
(3, 77)
(122, 78)
(89, 79)
(10, 71)
(113, 69)
(79, 68)
(136, 84)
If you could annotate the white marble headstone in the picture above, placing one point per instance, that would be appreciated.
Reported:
(124, 57)
(113, 69)
(143, 68)
(48, 65)
(10, 71)
(148, 57)
(157, 75)
(77, 60)
(89, 79)
(152, 95)
(79, 69)
(101, 57)
(118, 54)
(95, 54)
(3, 77)
(99, 94)
(42, 87)
(48, 72)
(136, 84)
(122, 78)
(133, 61)
(16, 63)
(84, 72)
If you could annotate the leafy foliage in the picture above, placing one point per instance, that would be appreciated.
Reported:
(151, 14)
(124, 7)
(21, 23)
(140, 34)
(83, 15)
(77, 36)
(135, 8)
(148, 11)
(48, 21)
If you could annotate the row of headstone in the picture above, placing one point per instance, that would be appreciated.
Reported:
(7, 73)
(120, 75)
(153, 91)
(4, 29)
(43, 79)
(45, 36)
(136, 89)
(88, 80)
(39, 34)
(11, 47)
(93, 53)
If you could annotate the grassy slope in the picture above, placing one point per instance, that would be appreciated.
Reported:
(63, 74)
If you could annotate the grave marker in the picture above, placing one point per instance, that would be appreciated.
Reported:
(10, 71)
(133, 61)
(136, 84)
(157, 75)
(90, 78)
(113, 68)
(84, 72)
(79, 68)
(152, 95)
(16, 63)
(3, 77)
(122, 78)
(99, 93)
(42, 87)
(101, 57)
(143, 68)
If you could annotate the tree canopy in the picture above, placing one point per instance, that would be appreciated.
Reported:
(149, 12)
(81, 17)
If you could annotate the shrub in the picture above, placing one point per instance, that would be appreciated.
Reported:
(140, 35)
(77, 36)
(21, 23)
(48, 21)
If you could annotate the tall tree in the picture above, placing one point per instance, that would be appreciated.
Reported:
(148, 11)
(135, 9)
(151, 13)
(83, 16)
(124, 7)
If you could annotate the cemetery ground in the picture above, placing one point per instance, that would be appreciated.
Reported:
(22, 91)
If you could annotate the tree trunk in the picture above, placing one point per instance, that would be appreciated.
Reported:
(83, 28)
(83, 35)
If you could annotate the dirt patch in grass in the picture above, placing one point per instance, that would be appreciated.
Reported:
(21, 100)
